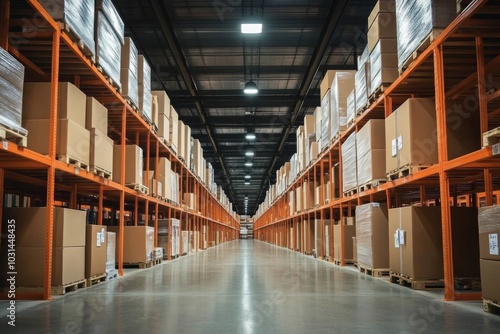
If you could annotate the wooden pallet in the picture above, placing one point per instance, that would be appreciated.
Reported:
(468, 284)
(131, 103)
(157, 261)
(96, 279)
(377, 92)
(350, 192)
(491, 306)
(89, 53)
(378, 272)
(101, 172)
(370, 185)
(13, 136)
(110, 80)
(350, 122)
(111, 274)
(140, 265)
(421, 48)
(139, 188)
(415, 284)
(362, 109)
(346, 261)
(63, 289)
(491, 137)
(74, 162)
(406, 171)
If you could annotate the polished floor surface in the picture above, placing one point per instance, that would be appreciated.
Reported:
(247, 286)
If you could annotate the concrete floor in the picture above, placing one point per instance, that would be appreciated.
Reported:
(248, 286)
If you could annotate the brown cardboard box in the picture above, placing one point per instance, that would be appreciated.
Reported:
(383, 26)
(308, 236)
(164, 176)
(371, 166)
(96, 116)
(189, 200)
(138, 243)
(326, 83)
(371, 136)
(181, 148)
(95, 250)
(382, 6)
(101, 150)
(129, 54)
(416, 128)
(163, 114)
(174, 130)
(133, 164)
(127, 80)
(36, 102)
(187, 148)
(372, 236)
(319, 195)
(346, 242)
(418, 252)
(489, 230)
(342, 86)
(391, 156)
(318, 125)
(69, 226)
(198, 157)
(308, 189)
(298, 199)
(309, 124)
(73, 140)
(489, 279)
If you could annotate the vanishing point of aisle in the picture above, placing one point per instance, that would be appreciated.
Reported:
(247, 286)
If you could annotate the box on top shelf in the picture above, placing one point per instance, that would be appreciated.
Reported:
(349, 173)
(79, 15)
(325, 121)
(372, 236)
(181, 148)
(370, 151)
(318, 125)
(108, 49)
(383, 65)
(11, 92)
(362, 81)
(145, 97)
(351, 106)
(95, 250)
(109, 10)
(381, 23)
(129, 71)
(381, 6)
(163, 114)
(416, 20)
(326, 83)
(96, 116)
(174, 130)
(187, 143)
(73, 140)
(71, 102)
(342, 85)
(133, 164)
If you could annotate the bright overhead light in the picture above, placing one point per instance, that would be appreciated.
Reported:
(250, 88)
(251, 28)
(247, 183)
(248, 164)
(249, 153)
(250, 136)
(248, 177)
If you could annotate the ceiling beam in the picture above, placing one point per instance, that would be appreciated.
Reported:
(169, 34)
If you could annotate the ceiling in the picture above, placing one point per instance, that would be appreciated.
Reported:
(201, 59)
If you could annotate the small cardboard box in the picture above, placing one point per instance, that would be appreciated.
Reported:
(95, 250)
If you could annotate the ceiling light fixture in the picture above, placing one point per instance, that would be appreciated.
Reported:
(248, 177)
(247, 183)
(248, 164)
(249, 153)
(250, 136)
(251, 28)
(250, 88)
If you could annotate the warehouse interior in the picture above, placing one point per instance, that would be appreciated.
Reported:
(241, 166)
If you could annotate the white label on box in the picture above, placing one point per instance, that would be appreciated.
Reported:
(5, 144)
(103, 235)
(494, 244)
(376, 205)
(394, 150)
(98, 239)
(396, 239)
(401, 237)
(400, 143)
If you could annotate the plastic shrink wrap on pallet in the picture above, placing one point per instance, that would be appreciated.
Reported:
(362, 81)
(351, 106)
(108, 9)
(343, 84)
(372, 236)
(349, 174)
(145, 97)
(129, 71)
(109, 48)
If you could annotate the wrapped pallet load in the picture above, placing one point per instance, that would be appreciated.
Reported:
(418, 22)
(129, 72)
(343, 84)
(349, 174)
(362, 81)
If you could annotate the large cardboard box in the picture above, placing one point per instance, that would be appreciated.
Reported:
(95, 250)
(68, 266)
(308, 189)
(189, 200)
(342, 86)
(174, 130)
(343, 244)
(71, 102)
(182, 140)
(96, 116)
(309, 124)
(372, 236)
(164, 174)
(489, 231)
(489, 279)
(189, 145)
(133, 164)
(382, 6)
(163, 114)
(371, 136)
(68, 225)
(383, 26)
(326, 83)
(138, 243)
(73, 140)
(101, 150)
(371, 167)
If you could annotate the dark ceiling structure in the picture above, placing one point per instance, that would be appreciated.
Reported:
(202, 60)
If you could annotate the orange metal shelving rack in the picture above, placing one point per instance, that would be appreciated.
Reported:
(469, 47)
(18, 163)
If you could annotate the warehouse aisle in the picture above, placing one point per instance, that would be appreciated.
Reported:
(249, 287)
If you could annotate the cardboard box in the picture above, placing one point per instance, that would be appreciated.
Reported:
(95, 250)
(326, 83)
(415, 240)
(325, 121)
(189, 200)
(138, 243)
(342, 86)
(163, 114)
(308, 189)
(110, 251)
(345, 243)
(96, 116)
(308, 236)
(71, 102)
(371, 136)
(383, 26)
(73, 140)
(133, 164)
(68, 266)
(489, 279)
(391, 156)
(174, 130)
(182, 143)
(164, 174)
(197, 157)
(101, 150)
(68, 225)
(382, 6)
(298, 199)
(489, 231)
(372, 236)
(189, 145)
(309, 124)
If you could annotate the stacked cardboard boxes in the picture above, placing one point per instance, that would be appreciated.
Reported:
(73, 140)
(381, 23)
(145, 97)
(370, 152)
(173, 141)
(96, 247)
(362, 81)
(383, 65)
(489, 229)
(101, 146)
(138, 243)
(349, 171)
(169, 239)
(372, 236)
(129, 72)
(342, 85)
(342, 244)
(68, 253)
(133, 163)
